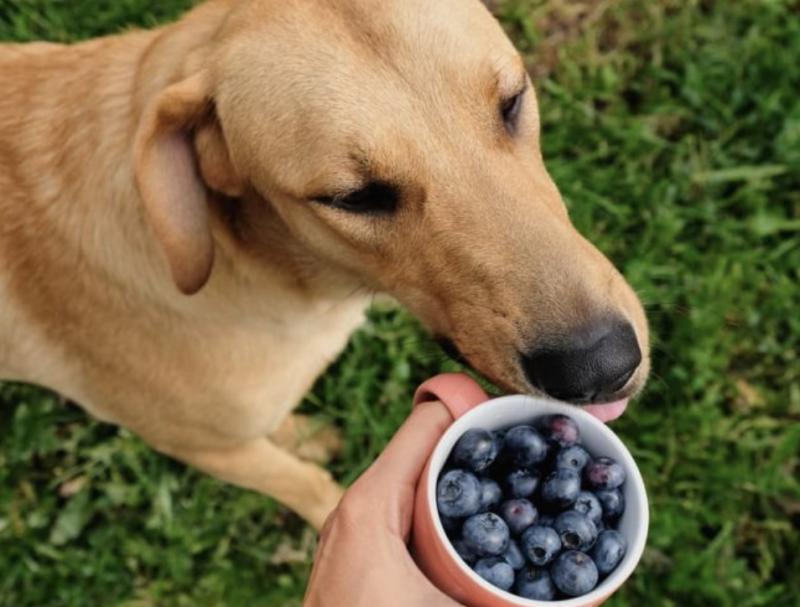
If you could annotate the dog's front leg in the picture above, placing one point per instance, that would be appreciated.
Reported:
(308, 438)
(262, 466)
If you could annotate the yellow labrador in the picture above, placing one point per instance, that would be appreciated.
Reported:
(192, 220)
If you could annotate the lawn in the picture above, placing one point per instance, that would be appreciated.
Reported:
(673, 130)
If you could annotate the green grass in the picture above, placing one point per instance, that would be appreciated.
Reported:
(673, 129)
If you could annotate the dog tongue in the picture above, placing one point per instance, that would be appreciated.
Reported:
(607, 412)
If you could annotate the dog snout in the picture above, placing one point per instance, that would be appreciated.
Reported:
(588, 365)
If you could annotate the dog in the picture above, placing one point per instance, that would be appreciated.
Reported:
(193, 220)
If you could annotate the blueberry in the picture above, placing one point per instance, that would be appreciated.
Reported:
(514, 556)
(519, 514)
(496, 571)
(574, 573)
(541, 545)
(486, 534)
(574, 457)
(561, 430)
(467, 555)
(613, 503)
(576, 530)
(603, 473)
(588, 504)
(476, 450)
(556, 545)
(491, 495)
(458, 494)
(525, 447)
(522, 483)
(608, 551)
(561, 488)
(535, 584)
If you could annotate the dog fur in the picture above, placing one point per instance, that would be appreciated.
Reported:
(170, 259)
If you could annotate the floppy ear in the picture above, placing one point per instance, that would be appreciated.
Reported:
(180, 152)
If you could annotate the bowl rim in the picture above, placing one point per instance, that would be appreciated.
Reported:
(541, 407)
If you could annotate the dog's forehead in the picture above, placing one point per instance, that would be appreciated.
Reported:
(413, 38)
(337, 80)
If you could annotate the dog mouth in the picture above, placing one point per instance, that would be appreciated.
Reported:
(449, 347)
(605, 412)
(609, 411)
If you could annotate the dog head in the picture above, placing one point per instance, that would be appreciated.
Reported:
(397, 143)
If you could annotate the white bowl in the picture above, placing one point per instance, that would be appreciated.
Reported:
(597, 438)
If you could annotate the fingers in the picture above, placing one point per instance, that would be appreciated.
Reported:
(370, 528)
(384, 495)
(403, 460)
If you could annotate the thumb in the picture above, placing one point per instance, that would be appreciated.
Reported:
(403, 460)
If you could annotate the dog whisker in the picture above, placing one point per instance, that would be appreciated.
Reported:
(661, 380)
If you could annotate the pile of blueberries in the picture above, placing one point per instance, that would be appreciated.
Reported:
(531, 511)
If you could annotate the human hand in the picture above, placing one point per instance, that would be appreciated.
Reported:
(363, 559)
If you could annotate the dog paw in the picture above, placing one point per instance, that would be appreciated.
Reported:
(320, 513)
(309, 438)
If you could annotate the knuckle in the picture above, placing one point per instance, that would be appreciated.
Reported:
(352, 511)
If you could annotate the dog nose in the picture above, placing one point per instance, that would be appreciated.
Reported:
(589, 365)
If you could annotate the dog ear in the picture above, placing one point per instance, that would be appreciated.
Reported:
(180, 152)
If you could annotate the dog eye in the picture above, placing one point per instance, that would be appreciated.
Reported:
(510, 110)
(374, 198)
